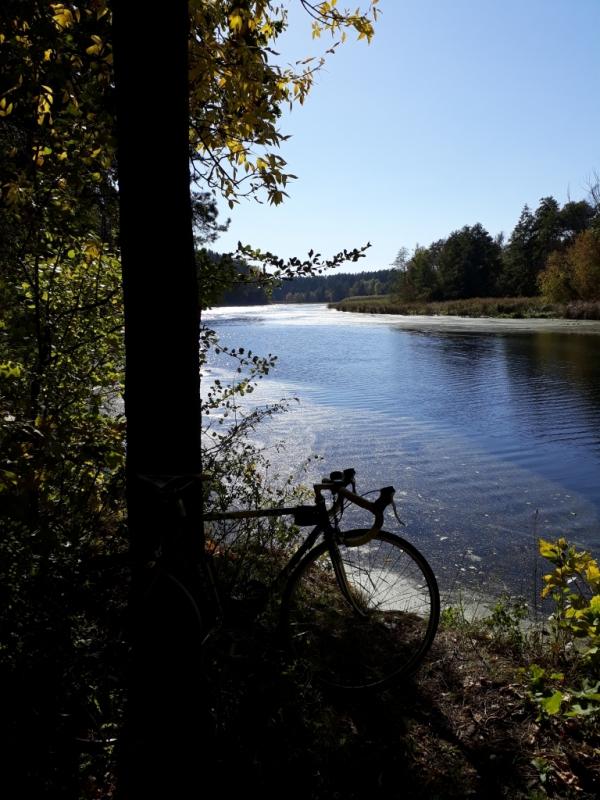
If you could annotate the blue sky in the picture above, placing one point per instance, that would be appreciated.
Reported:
(460, 111)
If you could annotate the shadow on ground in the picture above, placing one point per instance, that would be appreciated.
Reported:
(459, 728)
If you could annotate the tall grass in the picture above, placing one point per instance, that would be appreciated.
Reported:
(503, 307)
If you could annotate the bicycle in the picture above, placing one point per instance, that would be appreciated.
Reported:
(359, 609)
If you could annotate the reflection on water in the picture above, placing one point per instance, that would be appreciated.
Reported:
(476, 430)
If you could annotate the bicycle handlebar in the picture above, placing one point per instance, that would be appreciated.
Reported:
(386, 495)
(337, 484)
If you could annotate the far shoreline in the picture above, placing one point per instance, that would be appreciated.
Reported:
(485, 324)
(527, 314)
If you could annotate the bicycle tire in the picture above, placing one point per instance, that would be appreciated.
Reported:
(391, 580)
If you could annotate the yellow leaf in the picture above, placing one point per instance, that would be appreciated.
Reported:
(63, 18)
(236, 23)
(91, 250)
(547, 549)
(592, 572)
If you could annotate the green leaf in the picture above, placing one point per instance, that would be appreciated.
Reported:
(595, 604)
(10, 369)
(551, 705)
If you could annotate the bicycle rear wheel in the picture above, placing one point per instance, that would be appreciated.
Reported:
(374, 629)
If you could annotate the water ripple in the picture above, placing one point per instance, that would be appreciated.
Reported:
(476, 430)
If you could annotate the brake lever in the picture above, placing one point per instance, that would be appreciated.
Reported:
(395, 510)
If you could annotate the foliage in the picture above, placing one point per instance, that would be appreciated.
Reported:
(555, 280)
(573, 273)
(574, 586)
(61, 434)
(506, 620)
(58, 117)
(62, 534)
(468, 264)
(238, 91)
(551, 249)
(63, 332)
(553, 698)
(535, 236)
(418, 278)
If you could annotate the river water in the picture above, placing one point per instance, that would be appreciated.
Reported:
(490, 431)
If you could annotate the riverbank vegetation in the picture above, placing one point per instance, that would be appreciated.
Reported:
(548, 267)
(502, 307)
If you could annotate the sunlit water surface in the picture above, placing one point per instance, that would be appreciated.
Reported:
(490, 438)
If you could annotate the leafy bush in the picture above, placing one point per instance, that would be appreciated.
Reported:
(574, 586)
(506, 620)
(573, 690)
(574, 273)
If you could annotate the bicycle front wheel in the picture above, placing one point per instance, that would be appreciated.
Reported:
(370, 624)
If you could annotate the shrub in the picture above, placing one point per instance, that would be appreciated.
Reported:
(574, 585)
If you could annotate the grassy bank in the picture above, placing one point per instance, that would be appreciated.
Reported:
(502, 307)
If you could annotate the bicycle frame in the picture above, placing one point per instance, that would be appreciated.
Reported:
(323, 527)
(337, 484)
(173, 489)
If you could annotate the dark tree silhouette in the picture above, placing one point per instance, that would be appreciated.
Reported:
(162, 741)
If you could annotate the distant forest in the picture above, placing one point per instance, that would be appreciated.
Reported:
(314, 289)
(553, 251)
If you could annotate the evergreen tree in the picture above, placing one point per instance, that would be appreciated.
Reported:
(576, 216)
(469, 264)
(518, 275)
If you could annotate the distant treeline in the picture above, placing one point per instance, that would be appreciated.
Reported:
(553, 252)
(314, 289)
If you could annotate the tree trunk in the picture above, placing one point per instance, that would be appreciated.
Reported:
(162, 402)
